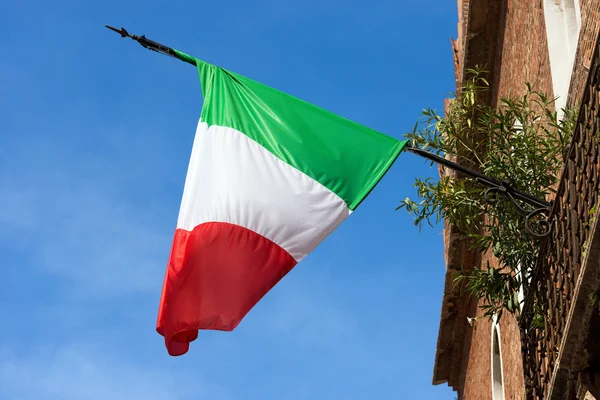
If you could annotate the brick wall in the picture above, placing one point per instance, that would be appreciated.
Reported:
(511, 358)
(590, 26)
(477, 382)
(521, 57)
(477, 378)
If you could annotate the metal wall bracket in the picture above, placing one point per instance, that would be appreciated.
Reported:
(536, 215)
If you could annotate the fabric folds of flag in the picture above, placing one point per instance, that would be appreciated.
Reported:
(270, 176)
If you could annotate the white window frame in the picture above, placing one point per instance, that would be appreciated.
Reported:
(518, 126)
(563, 24)
(521, 294)
(497, 375)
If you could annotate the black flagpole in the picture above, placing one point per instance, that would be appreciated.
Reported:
(539, 212)
(147, 43)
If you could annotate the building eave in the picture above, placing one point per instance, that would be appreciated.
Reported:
(480, 34)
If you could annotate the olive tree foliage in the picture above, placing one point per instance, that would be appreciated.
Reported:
(520, 142)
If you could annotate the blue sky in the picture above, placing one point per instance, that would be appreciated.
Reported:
(95, 136)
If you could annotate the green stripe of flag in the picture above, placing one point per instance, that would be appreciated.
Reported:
(345, 157)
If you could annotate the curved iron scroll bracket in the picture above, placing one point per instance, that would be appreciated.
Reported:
(536, 215)
(536, 219)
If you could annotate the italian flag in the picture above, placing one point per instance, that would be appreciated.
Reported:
(270, 176)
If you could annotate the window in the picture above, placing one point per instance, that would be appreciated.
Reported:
(520, 273)
(563, 21)
(521, 276)
(497, 376)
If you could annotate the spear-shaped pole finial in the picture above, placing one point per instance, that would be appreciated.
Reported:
(121, 31)
(145, 42)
